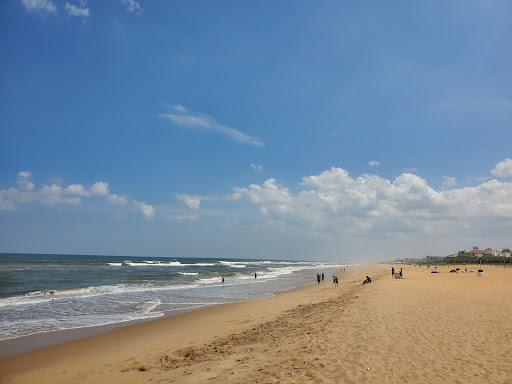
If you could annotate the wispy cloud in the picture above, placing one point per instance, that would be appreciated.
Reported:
(40, 5)
(256, 167)
(181, 116)
(374, 163)
(449, 182)
(337, 132)
(133, 6)
(77, 11)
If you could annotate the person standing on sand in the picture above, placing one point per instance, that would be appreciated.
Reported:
(255, 275)
(318, 278)
(392, 271)
(322, 277)
(335, 281)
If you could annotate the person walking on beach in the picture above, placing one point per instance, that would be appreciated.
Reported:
(335, 281)
(401, 275)
(392, 271)
(322, 277)
(255, 275)
(318, 278)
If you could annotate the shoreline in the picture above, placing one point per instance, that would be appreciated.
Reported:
(14, 347)
(193, 325)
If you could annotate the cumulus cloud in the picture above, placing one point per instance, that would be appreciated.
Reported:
(335, 202)
(25, 192)
(117, 199)
(256, 167)
(100, 188)
(190, 201)
(147, 210)
(503, 168)
(449, 182)
(77, 11)
(374, 163)
(133, 6)
(24, 182)
(77, 189)
(40, 5)
(181, 116)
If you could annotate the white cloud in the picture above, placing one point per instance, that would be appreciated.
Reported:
(40, 5)
(503, 168)
(336, 203)
(100, 188)
(190, 201)
(178, 108)
(24, 182)
(25, 192)
(77, 11)
(147, 210)
(183, 217)
(133, 6)
(117, 199)
(256, 167)
(449, 182)
(181, 116)
(77, 189)
(374, 163)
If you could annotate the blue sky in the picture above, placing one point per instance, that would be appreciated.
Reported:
(166, 105)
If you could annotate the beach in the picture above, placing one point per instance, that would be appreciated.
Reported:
(445, 327)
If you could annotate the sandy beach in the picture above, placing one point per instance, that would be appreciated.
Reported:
(446, 328)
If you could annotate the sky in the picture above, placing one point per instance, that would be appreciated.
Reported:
(351, 131)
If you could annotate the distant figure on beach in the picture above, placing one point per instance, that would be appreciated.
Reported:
(255, 275)
(318, 278)
(335, 281)
(401, 275)
(392, 271)
(322, 277)
(367, 280)
(222, 279)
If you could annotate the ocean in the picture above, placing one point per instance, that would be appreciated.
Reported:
(45, 293)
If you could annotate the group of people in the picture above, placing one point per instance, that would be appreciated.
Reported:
(255, 277)
(393, 272)
(320, 277)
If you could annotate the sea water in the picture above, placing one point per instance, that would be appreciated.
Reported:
(44, 293)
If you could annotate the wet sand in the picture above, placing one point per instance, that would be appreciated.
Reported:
(449, 328)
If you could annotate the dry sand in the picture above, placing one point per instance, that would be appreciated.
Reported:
(426, 328)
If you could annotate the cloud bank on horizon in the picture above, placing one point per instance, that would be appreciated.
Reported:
(56, 194)
(329, 204)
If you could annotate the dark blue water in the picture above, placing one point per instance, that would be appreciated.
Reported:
(41, 293)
